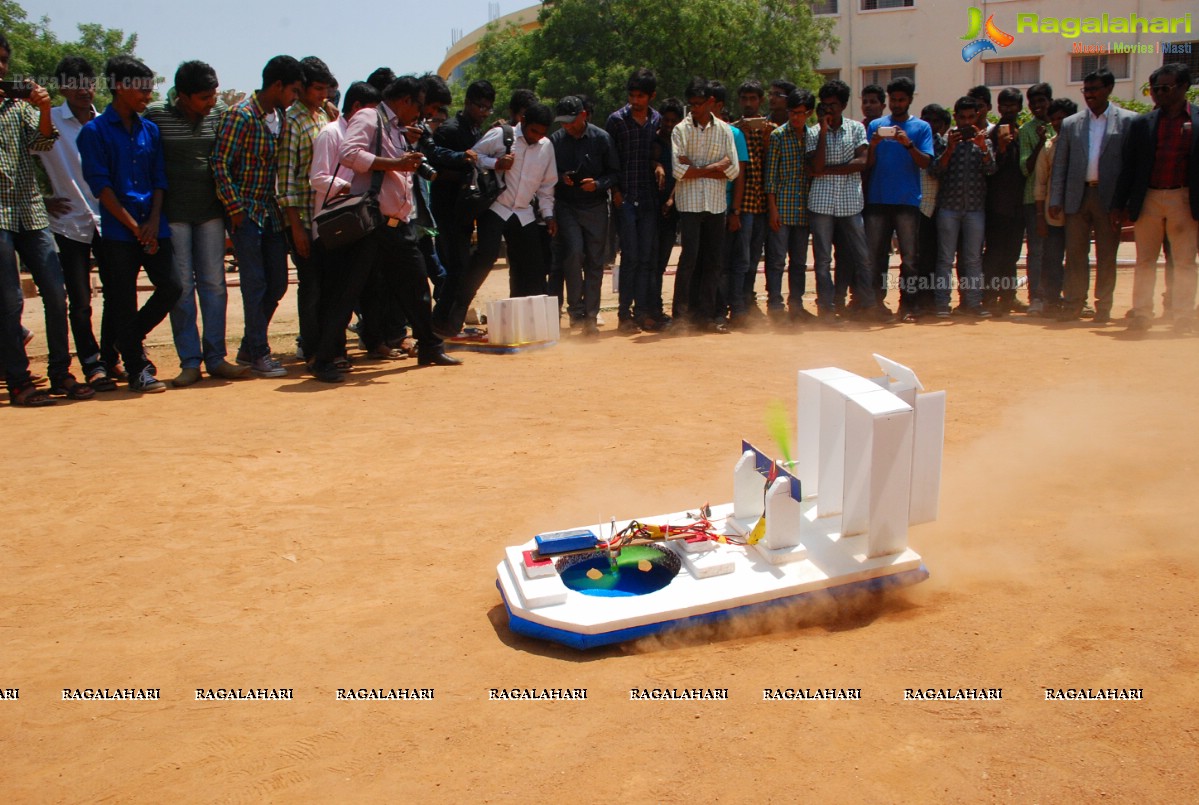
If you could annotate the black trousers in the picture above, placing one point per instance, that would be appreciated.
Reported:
(1004, 239)
(525, 264)
(393, 254)
(128, 324)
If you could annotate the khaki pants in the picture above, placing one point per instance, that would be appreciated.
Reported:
(1166, 214)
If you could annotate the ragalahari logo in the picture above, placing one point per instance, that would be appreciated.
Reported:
(993, 37)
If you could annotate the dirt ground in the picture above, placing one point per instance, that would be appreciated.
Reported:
(288, 534)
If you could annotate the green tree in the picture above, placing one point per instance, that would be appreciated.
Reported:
(37, 51)
(592, 46)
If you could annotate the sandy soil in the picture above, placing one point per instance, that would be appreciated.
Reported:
(286, 534)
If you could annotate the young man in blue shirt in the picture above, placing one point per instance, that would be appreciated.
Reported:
(124, 166)
(900, 146)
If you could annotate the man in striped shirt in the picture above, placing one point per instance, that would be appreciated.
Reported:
(245, 167)
(704, 160)
(786, 188)
(188, 126)
(303, 122)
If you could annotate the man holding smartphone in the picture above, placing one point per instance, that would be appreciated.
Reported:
(962, 168)
(26, 125)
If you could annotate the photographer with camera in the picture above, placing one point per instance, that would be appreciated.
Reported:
(393, 247)
(587, 168)
(962, 167)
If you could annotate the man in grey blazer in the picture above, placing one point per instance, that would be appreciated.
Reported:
(1086, 167)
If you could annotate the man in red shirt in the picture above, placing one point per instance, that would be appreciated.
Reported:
(1158, 189)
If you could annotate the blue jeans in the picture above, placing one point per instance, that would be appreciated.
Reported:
(904, 221)
(638, 236)
(200, 269)
(262, 266)
(36, 247)
(579, 252)
(968, 226)
(786, 249)
(747, 245)
(849, 233)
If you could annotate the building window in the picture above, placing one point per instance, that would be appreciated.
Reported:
(1083, 65)
(883, 75)
(881, 5)
(824, 7)
(1190, 57)
(829, 75)
(1012, 71)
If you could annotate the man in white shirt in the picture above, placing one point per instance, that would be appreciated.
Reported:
(75, 213)
(704, 161)
(1086, 167)
(529, 171)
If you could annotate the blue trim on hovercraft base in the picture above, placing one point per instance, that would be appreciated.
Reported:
(585, 641)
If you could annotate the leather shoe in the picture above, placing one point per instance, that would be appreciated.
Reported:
(228, 371)
(187, 376)
(327, 373)
(438, 358)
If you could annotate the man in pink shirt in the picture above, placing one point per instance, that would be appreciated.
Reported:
(392, 248)
(330, 179)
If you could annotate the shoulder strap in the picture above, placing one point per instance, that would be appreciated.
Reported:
(377, 178)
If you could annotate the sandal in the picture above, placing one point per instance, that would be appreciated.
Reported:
(343, 364)
(27, 395)
(67, 386)
(99, 380)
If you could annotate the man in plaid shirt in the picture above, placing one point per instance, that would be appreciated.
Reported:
(632, 130)
(304, 120)
(751, 237)
(25, 125)
(786, 189)
(245, 168)
(837, 150)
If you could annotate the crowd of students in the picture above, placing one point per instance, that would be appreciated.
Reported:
(158, 187)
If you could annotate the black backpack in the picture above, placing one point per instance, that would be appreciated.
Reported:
(484, 186)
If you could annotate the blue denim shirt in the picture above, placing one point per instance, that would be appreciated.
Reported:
(130, 163)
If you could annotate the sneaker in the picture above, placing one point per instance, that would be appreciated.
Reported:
(1037, 308)
(299, 350)
(146, 383)
(942, 311)
(978, 312)
(1016, 306)
(1102, 317)
(1088, 312)
(266, 366)
(590, 329)
(243, 358)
